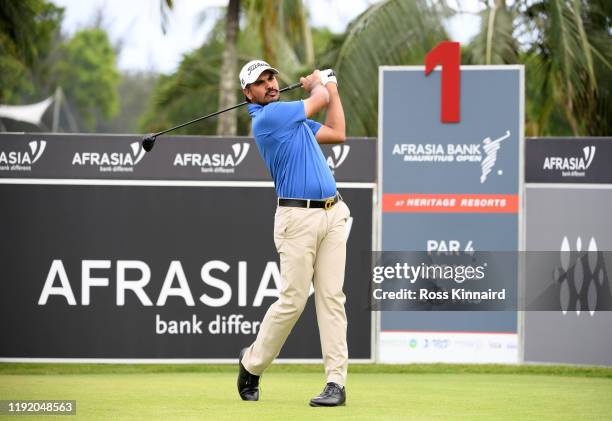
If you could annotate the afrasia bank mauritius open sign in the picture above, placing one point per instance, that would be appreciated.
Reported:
(450, 145)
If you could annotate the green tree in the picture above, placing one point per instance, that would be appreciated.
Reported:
(198, 85)
(192, 91)
(495, 43)
(567, 49)
(565, 44)
(27, 31)
(228, 72)
(284, 39)
(135, 91)
(227, 123)
(283, 36)
(88, 74)
(392, 32)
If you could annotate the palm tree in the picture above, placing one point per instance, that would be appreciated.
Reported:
(227, 125)
(283, 38)
(283, 35)
(565, 44)
(567, 48)
(28, 30)
(495, 43)
(392, 32)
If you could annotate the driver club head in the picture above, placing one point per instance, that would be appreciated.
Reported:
(148, 142)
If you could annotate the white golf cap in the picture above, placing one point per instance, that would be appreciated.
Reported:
(251, 71)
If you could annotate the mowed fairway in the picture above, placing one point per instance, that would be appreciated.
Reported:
(405, 392)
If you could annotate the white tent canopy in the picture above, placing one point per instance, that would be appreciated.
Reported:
(33, 113)
(29, 113)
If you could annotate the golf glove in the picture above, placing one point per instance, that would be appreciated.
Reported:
(328, 75)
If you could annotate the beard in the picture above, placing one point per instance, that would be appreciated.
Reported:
(267, 99)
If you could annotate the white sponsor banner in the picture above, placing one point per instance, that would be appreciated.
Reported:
(401, 347)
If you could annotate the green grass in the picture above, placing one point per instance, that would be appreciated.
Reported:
(557, 370)
(374, 392)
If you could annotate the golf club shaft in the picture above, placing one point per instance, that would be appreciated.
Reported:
(288, 88)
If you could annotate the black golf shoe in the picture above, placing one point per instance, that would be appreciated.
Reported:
(248, 384)
(333, 395)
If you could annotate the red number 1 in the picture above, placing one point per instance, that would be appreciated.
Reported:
(448, 55)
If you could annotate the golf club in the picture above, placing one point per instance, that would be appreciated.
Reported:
(148, 141)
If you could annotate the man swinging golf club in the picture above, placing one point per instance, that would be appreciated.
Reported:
(309, 224)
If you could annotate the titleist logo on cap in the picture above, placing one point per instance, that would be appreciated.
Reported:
(256, 65)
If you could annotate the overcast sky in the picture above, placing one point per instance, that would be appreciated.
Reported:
(146, 48)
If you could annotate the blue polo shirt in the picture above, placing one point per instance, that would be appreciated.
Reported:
(286, 141)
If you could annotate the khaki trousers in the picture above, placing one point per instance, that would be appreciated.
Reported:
(312, 247)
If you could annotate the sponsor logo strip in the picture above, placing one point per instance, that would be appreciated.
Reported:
(450, 203)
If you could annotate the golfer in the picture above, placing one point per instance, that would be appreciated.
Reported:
(309, 224)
